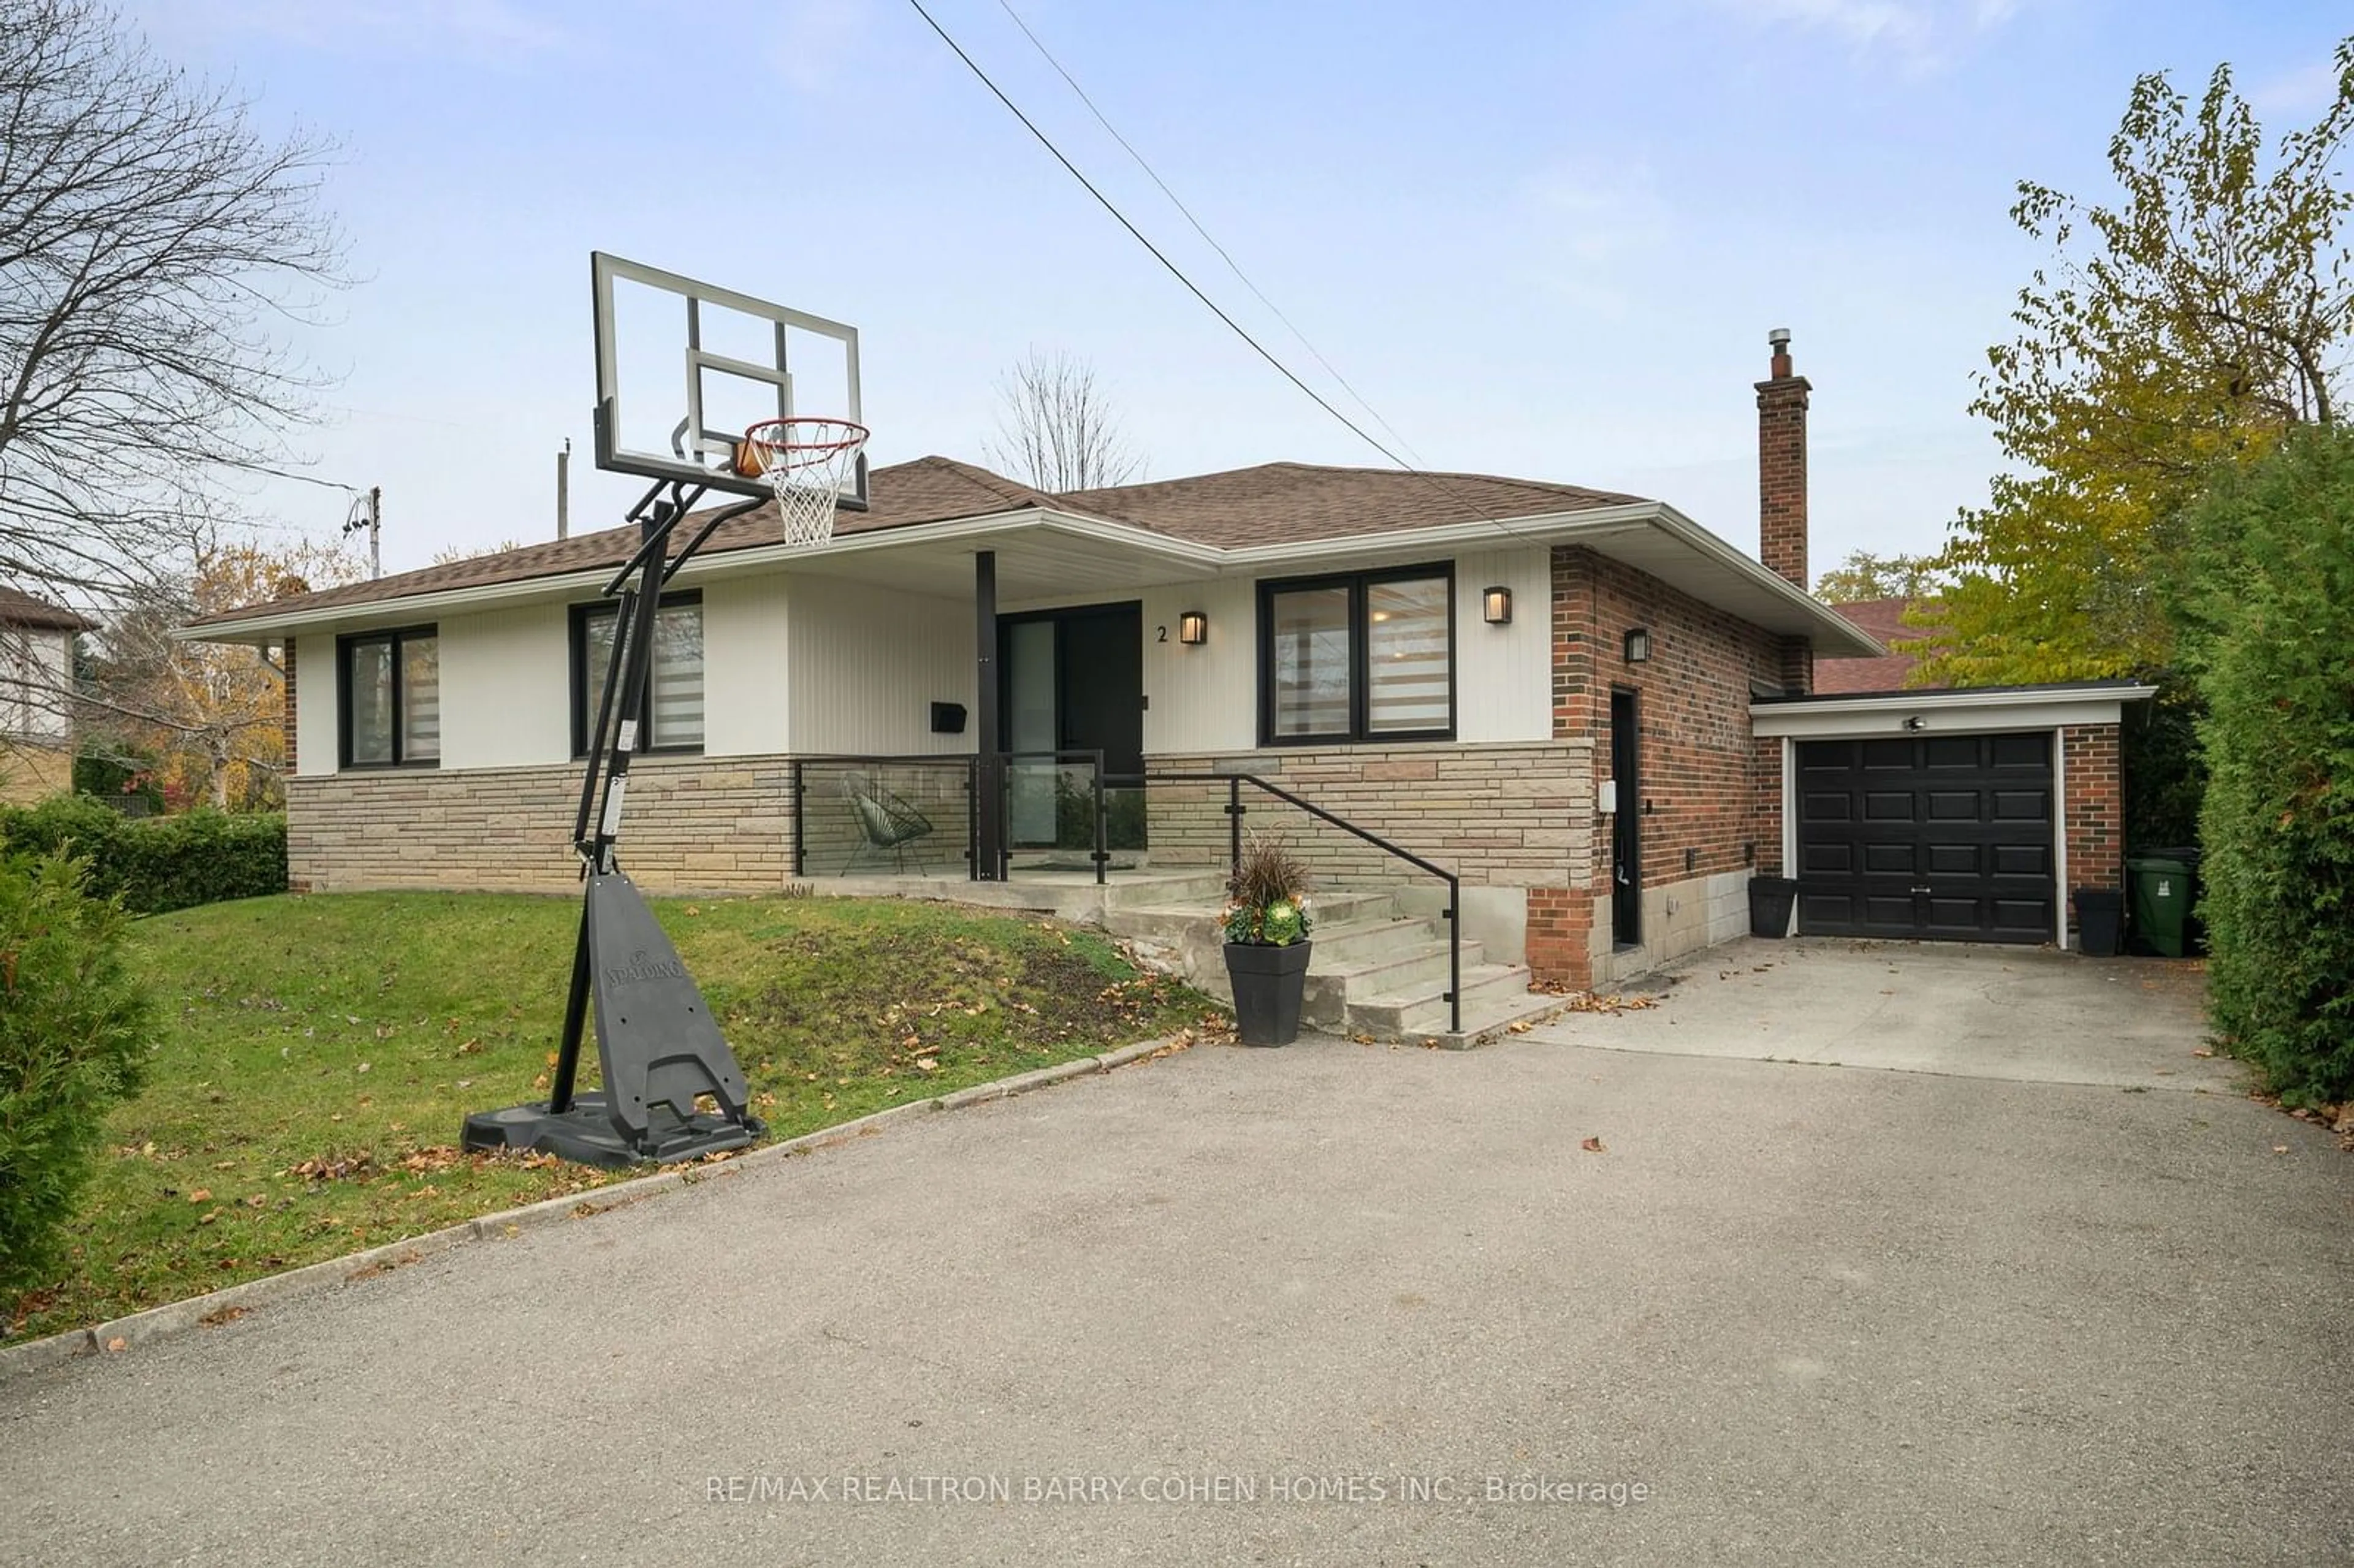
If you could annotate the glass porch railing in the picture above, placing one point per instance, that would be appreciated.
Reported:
(918, 816)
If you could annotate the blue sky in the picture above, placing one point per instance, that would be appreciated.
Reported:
(1545, 241)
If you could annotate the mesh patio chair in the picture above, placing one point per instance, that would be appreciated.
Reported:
(888, 824)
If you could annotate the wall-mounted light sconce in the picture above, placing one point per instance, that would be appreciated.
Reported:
(1496, 606)
(1193, 628)
(1638, 646)
(1916, 722)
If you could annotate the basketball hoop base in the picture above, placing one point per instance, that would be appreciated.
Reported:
(586, 1136)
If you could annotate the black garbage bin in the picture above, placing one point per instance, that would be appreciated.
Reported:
(2100, 921)
(1770, 898)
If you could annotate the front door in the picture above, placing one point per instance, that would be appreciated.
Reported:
(1073, 682)
(1626, 826)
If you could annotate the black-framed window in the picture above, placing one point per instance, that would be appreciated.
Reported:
(389, 692)
(670, 718)
(1362, 657)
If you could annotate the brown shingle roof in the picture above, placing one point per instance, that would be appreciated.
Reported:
(1275, 503)
(1286, 502)
(1885, 619)
(20, 608)
(930, 490)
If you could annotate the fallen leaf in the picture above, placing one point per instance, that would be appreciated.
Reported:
(2280, 1148)
(118, 1343)
(201, 1195)
(1592, 1146)
(360, 1068)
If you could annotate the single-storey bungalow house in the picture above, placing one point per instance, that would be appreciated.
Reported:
(1603, 718)
(36, 739)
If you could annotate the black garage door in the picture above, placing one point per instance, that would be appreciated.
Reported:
(1945, 836)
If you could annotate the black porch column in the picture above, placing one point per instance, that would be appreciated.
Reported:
(988, 784)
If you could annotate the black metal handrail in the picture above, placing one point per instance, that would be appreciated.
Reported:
(1235, 782)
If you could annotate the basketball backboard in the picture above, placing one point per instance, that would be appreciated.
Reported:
(683, 368)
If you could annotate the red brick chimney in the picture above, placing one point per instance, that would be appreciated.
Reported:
(1782, 465)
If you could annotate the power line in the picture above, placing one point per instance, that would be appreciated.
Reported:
(1176, 201)
(1175, 271)
(1479, 513)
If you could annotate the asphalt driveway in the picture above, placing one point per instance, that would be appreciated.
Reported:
(1350, 1305)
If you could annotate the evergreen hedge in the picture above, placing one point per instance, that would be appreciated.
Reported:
(154, 864)
(74, 1033)
(2267, 606)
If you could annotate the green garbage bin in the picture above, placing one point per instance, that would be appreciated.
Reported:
(2161, 892)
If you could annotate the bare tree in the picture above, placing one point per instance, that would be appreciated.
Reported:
(151, 236)
(209, 717)
(1055, 430)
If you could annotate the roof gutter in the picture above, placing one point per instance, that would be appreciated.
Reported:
(976, 531)
(1586, 524)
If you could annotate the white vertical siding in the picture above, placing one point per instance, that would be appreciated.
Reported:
(314, 702)
(747, 657)
(36, 682)
(506, 689)
(865, 665)
(1204, 698)
(1503, 674)
(1207, 698)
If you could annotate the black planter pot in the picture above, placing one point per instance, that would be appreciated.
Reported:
(1269, 984)
(1770, 898)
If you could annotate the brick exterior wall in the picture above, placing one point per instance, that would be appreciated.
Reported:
(1498, 816)
(1782, 470)
(1560, 935)
(1710, 813)
(31, 772)
(286, 716)
(1767, 766)
(2094, 792)
(692, 824)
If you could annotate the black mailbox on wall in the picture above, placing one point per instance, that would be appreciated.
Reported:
(947, 718)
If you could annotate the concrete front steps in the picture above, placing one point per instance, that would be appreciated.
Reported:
(1375, 971)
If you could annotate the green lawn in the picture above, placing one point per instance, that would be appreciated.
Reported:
(318, 1053)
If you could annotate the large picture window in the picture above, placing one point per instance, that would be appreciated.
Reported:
(389, 684)
(1366, 657)
(671, 716)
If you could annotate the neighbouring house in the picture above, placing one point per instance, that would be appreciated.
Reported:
(1603, 717)
(1882, 619)
(36, 682)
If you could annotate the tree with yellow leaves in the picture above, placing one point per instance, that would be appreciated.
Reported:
(212, 714)
(2190, 323)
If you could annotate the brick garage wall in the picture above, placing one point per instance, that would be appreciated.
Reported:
(2095, 804)
(1498, 816)
(692, 825)
(1768, 764)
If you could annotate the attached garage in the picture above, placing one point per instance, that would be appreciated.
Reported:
(1963, 816)
(1950, 837)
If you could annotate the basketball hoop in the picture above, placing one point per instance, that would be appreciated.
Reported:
(808, 463)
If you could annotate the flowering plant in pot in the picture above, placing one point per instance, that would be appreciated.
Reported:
(1267, 923)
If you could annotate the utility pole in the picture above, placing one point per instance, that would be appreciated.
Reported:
(564, 491)
(367, 512)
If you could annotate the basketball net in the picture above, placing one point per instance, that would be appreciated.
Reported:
(808, 465)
